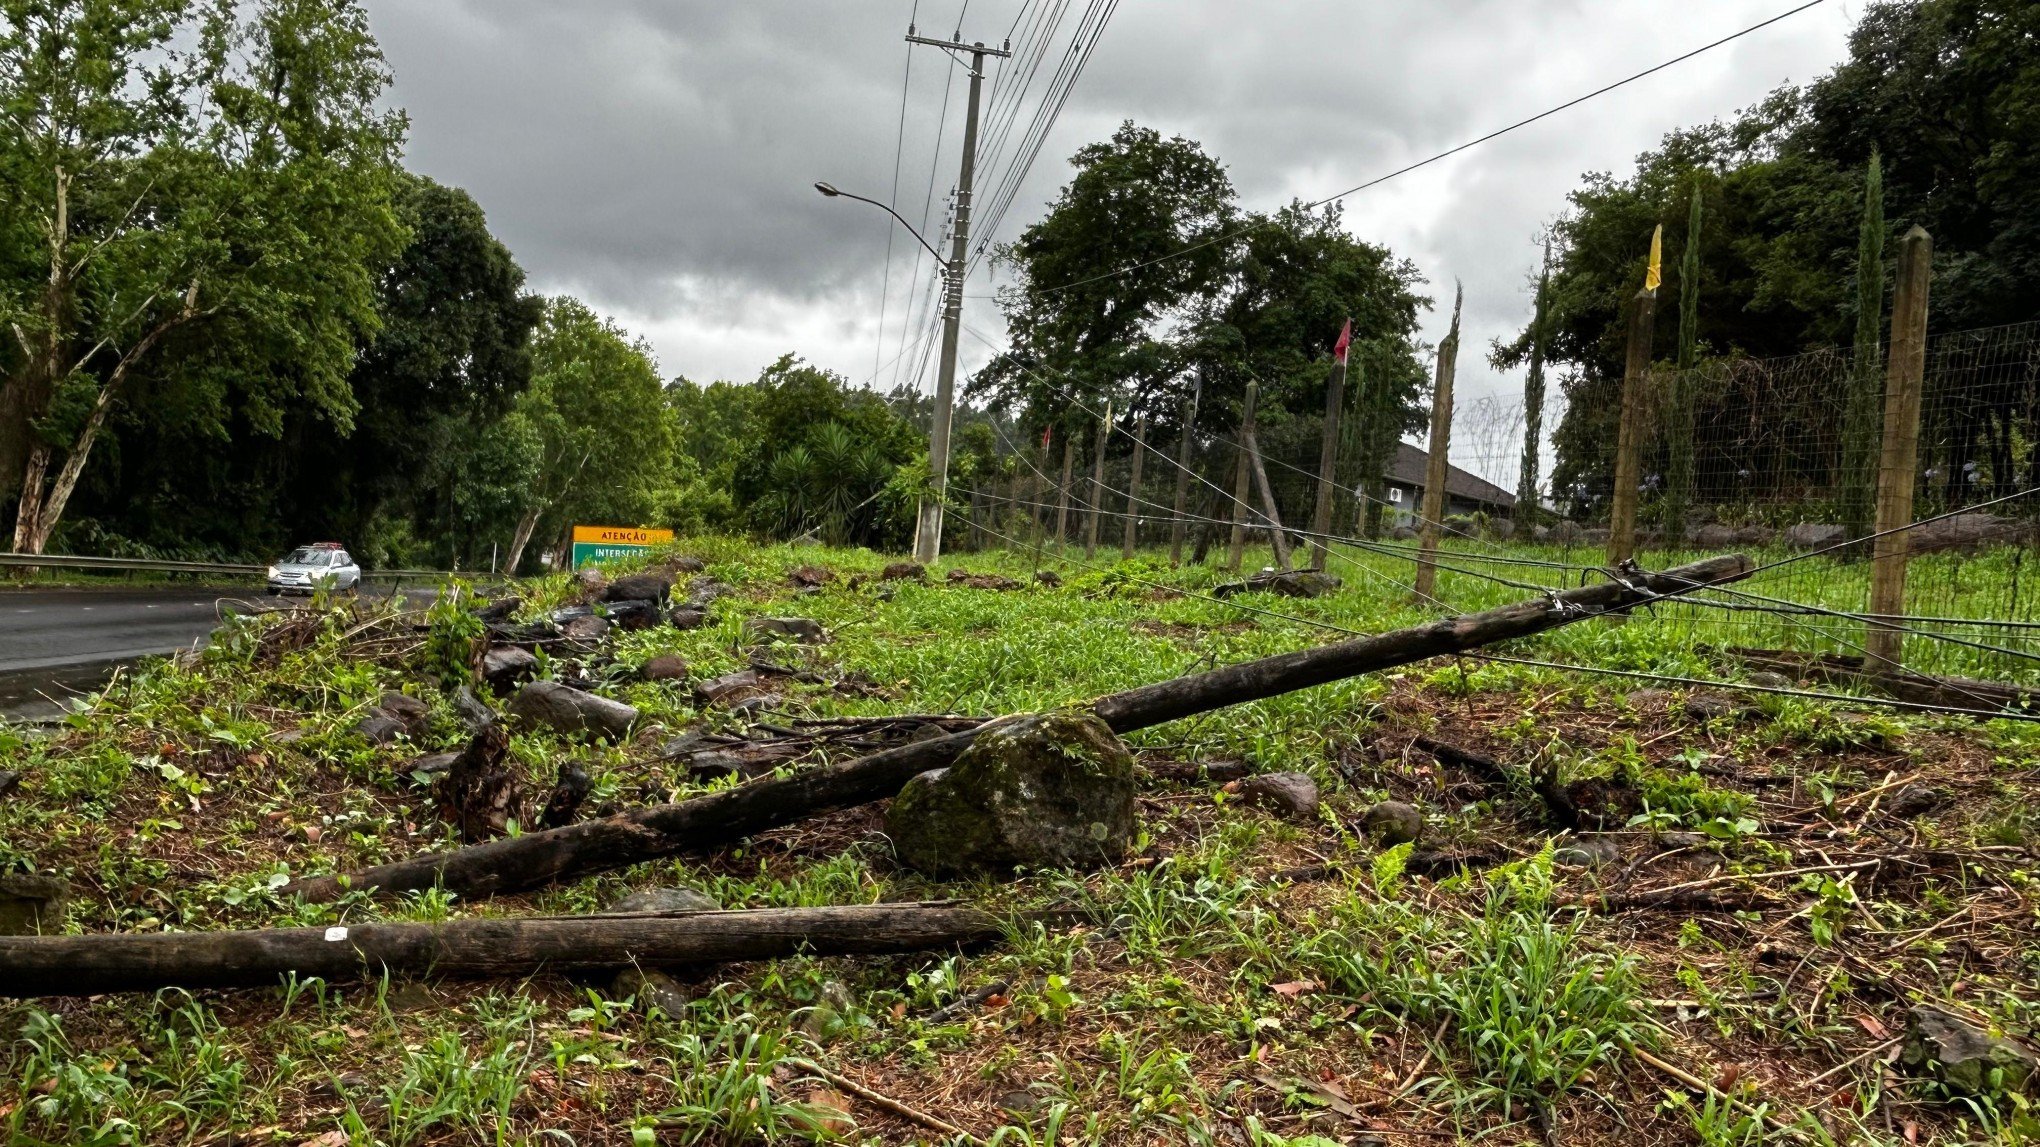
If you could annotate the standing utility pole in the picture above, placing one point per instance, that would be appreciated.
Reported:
(1438, 469)
(928, 520)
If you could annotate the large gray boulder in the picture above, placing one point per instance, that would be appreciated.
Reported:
(505, 666)
(1964, 1056)
(570, 710)
(1054, 790)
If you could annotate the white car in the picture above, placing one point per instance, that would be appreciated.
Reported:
(323, 565)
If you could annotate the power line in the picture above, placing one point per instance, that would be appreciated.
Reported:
(893, 200)
(1446, 154)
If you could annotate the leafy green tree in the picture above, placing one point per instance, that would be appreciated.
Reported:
(1135, 243)
(150, 151)
(593, 429)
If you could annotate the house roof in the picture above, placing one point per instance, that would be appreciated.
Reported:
(1411, 462)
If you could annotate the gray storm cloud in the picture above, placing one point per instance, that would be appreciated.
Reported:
(656, 157)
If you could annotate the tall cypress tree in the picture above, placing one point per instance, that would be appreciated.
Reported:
(1858, 485)
(1527, 504)
(1679, 416)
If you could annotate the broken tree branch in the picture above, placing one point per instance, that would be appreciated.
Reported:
(532, 860)
(475, 948)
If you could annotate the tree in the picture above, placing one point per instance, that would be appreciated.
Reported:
(1132, 245)
(148, 151)
(1679, 402)
(593, 427)
(1527, 504)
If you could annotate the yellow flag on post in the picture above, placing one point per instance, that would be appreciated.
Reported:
(1653, 276)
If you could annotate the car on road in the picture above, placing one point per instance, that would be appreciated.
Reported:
(321, 565)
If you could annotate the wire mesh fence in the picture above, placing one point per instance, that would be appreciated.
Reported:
(1769, 456)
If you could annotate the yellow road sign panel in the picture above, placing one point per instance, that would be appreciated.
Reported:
(621, 535)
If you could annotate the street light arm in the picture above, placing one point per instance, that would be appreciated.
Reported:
(832, 192)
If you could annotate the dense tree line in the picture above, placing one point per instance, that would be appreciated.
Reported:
(1944, 97)
(1146, 275)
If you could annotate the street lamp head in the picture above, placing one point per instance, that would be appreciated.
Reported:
(827, 189)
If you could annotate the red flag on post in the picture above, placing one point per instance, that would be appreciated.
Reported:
(1345, 340)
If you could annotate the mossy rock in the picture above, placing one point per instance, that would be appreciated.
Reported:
(1055, 790)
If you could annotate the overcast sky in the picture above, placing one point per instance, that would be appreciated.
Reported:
(656, 157)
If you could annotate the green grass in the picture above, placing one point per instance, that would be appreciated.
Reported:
(1200, 996)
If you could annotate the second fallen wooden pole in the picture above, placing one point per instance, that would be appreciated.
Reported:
(474, 948)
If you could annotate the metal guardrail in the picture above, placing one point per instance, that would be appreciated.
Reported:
(164, 565)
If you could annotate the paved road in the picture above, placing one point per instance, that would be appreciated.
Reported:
(58, 642)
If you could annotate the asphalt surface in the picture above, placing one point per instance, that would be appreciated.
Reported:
(58, 643)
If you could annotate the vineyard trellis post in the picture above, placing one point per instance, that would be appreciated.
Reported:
(1097, 483)
(1062, 491)
(1438, 470)
(1242, 485)
(1629, 430)
(1133, 488)
(1183, 462)
(1328, 466)
(1904, 379)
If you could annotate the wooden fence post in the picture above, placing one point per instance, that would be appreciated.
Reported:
(1328, 468)
(1133, 488)
(1629, 430)
(1183, 461)
(1062, 491)
(1904, 378)
(1242, 487)
(1098, 485)
(1278, 539)
(1438, 470)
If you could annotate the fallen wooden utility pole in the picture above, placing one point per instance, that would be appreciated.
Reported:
(146, 961)
(535, 859)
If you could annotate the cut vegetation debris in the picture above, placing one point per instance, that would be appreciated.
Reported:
(1359, 890)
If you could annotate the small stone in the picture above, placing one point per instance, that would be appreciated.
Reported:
(1715, 707)
(585, 628)
(413, 714)
(632, 614)
(432, 764)
(379, 728)
(727, 687)
(1390, 823)
(649, 587)
(32, 905)
(904, 571)
(1964, 1056)
(506, 666)
(1293, 795)
(571, 710)
(665, 901)
(1052, 790)
(687, 617)
(833, 1005)
(759, 703)
(10, 779)
(1916, 800)
(801, 629)
(1590, 851)
(650, 989)
(1019, 1102)
(664, 667)
(1765, 679)
(591, 579)
(683, 564)
(811, 577)
(1653, 701)
(500, 609)
(1674, 841)
(1048, 579)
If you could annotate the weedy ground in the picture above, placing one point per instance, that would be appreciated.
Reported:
(1242, 979)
